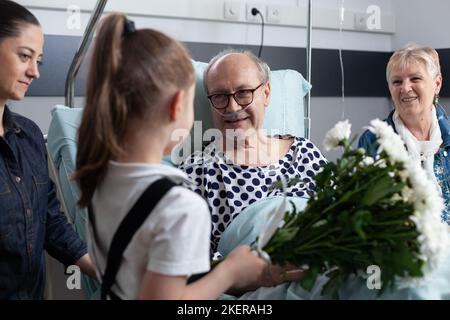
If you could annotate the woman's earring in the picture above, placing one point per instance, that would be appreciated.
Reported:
(436, 99)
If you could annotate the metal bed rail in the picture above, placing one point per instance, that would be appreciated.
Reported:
(81, 52)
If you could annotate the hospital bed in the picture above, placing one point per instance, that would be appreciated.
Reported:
(287, 113)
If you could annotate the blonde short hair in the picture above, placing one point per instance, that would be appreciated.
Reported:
(412, 52)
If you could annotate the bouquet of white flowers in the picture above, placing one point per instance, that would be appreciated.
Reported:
(366, 211)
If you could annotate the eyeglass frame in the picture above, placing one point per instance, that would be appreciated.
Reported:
(234, 97)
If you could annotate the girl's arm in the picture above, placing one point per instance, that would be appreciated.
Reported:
(240, 269)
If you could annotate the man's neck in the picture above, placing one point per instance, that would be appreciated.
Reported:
(256, 150)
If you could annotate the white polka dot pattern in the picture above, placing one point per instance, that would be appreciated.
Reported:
(230, 188)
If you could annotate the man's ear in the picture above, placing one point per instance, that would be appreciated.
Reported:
(176, 104)
(267, 91)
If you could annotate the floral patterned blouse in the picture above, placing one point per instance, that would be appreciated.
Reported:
(445, 186)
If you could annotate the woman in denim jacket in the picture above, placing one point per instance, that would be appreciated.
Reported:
(414, 79)
(30, 219)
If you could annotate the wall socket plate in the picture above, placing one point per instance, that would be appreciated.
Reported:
(231, 10)
(273, 13)
(248, 11)
(361, 21)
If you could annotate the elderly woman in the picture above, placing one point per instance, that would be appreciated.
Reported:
(30, 219)
(240, 166)
(414, 79)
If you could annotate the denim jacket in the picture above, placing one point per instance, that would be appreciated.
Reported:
(443, 156)
(30, 219)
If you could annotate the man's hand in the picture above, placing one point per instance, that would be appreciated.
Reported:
(273, 275)
(276, 275)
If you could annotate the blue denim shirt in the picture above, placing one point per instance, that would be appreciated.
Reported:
(30, 219)
(442, 157)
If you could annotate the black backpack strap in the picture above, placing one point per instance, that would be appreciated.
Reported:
(127, 228)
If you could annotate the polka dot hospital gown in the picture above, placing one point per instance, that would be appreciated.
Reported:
(229, 188)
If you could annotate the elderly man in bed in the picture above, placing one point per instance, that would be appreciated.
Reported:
(238, 168)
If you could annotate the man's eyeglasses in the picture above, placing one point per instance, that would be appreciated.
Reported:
(242, 97)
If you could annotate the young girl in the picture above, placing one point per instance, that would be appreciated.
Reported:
(140, 89)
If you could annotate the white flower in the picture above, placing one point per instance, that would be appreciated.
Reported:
(407, 194)
(404, 175)
(434, 236)
(366, 161)
(389, 141)
(380, 162)
(432, 245)
(340, 132)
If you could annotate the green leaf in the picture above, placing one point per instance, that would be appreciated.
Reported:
(361, 219)
(405, 263)
(308, 281)
(381, 188)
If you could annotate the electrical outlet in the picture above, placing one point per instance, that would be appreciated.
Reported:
(361, 21)
(256, 18)
(273, 13)
(232, 10)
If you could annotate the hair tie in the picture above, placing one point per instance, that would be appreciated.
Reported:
(129, 27)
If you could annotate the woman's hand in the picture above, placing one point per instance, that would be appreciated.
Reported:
(86, 266)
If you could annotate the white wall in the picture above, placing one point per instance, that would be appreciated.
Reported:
(325, 112)
(352, 40)
(54, 21)
(415, 20)
(38, 108)
(186, 23)
(424, 22)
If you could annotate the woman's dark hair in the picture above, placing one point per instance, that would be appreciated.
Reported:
(12, 17)
(130, 73)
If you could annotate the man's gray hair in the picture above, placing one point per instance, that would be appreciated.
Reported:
(263, 68)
